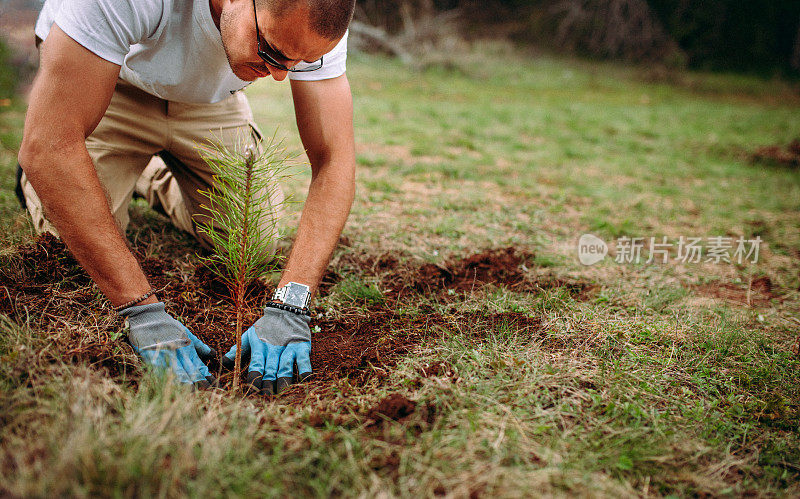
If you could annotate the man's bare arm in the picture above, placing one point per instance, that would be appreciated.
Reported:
(324, 112)
(69, 97)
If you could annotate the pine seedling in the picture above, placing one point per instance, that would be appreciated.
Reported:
(242, 219)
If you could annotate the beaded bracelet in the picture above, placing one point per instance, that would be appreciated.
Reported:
(135, 301)
(289, 308)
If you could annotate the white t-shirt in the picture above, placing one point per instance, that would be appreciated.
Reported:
(169, 48)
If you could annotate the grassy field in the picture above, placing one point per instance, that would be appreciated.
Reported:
(673, 379)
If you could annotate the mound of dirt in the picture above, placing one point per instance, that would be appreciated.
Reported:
(778, 154)
(501, 266)
(760, 292)
(400, 275)
(396, 407)
(438, 368)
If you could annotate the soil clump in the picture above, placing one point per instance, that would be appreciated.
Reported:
(759, 293)
(778, 154)
(396, 407)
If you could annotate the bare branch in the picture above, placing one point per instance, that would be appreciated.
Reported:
(380, 36)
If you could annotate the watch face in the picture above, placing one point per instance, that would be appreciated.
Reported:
(296, 295)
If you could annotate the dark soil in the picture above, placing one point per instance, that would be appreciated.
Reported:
(42, 265)
(437, 369)
(43, 285)
(760, 293)
(365, 345)
(778, 154)
(502, 266)
(395, 407)
(400, 275)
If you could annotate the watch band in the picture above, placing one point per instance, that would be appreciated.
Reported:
(295, 310)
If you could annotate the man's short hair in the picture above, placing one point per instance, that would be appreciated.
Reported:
(329, 18)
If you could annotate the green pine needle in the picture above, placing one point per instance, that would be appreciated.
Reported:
(245, 186)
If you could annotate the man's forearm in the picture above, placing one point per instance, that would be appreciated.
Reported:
(325, 212)
(68, 99)
(75, 203)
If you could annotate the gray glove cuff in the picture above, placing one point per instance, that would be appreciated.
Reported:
(280, 327)
(151, 328)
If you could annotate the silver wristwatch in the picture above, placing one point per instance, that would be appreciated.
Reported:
(294, 294)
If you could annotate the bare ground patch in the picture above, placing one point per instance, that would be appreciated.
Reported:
(397, 152)
(400, 275)
(757, 294)
(42, 285)
(779, 154)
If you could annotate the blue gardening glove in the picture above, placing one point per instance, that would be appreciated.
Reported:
(164, 343)
(274, 344)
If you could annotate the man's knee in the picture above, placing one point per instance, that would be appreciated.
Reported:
(30, 201)
(18, 188)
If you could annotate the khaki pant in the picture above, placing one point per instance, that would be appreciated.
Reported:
(148, 145)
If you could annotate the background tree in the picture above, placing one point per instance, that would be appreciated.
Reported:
(731, 35)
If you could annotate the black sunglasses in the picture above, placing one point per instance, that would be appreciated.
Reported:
(270, 59)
